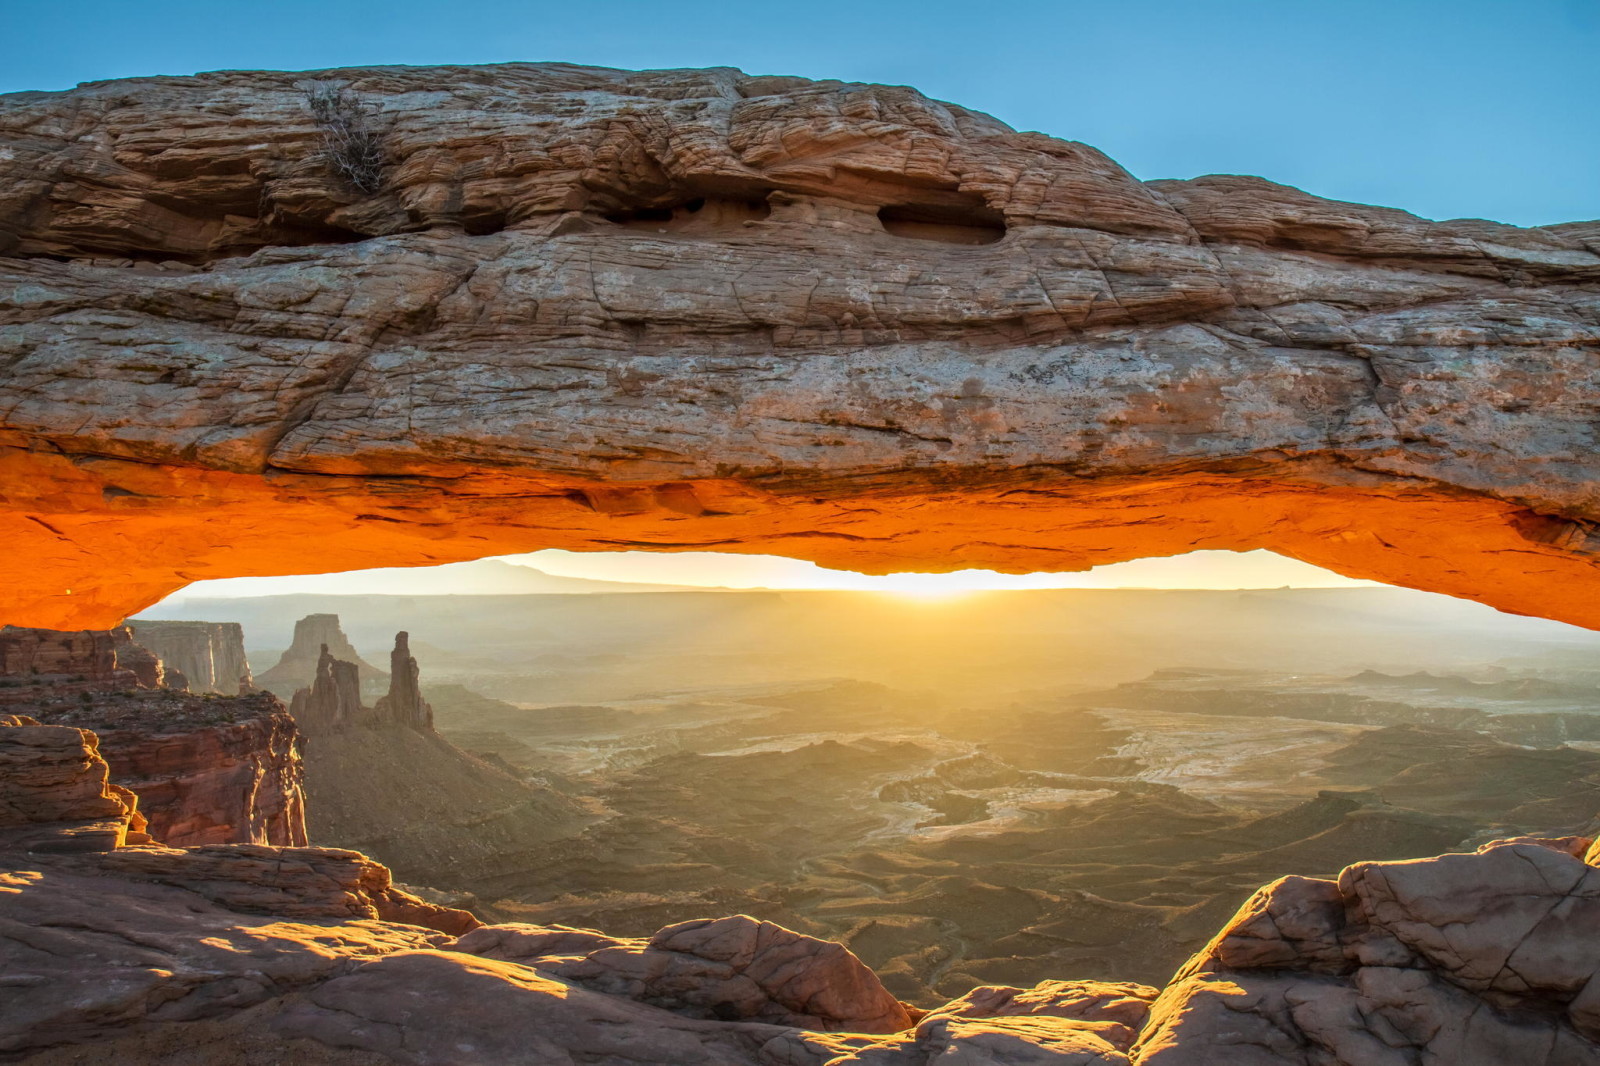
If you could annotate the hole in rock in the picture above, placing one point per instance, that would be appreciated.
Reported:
(966, 778)
(971, 224)
(484, 223)
(698, 215)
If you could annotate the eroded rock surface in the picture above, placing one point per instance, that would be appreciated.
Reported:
(1470, 959)
(207, 770)
(209, 655)
(588, 308)
(53, 782)
(46, 664)
(733, 968)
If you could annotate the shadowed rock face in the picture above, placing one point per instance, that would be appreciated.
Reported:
(42, 663)
(206, 770)
(590, 308)
(209, 655)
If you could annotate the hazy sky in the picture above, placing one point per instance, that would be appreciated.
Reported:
(1205, 570)
(1209, 569)
(1449, 108)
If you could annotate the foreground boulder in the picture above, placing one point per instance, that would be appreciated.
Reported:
(734, 968)
(1474, 960)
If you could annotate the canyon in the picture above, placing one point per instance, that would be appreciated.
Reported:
(381, 780)
(963, 859)
(697, 309)
(136, 952)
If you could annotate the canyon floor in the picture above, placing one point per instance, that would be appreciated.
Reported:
(1007, 790)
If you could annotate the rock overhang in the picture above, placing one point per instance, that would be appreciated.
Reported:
(560, 322)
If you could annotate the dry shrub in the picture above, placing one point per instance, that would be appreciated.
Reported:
(352, 146)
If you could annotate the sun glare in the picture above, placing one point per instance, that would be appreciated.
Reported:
(551, 567)
(936, 588)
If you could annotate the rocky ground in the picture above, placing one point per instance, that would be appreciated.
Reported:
(117, 949)
(1104, 835)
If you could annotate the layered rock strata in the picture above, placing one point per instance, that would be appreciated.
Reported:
(44, 664)
(209, 655)
(55, 791)
(207, 770)
(687, 310)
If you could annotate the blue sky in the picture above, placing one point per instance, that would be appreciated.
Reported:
(1466, 108)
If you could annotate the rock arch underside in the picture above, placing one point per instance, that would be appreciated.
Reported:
(677, 310)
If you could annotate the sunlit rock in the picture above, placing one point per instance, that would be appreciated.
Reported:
(588, 308)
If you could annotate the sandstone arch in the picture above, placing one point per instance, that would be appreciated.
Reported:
(478, 359)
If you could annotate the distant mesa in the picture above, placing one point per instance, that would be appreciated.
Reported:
(481, 577)
(314, 636)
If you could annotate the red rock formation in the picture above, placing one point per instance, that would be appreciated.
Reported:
(44, 663)
(53, 776)
(209, 655)
(207, 770)
(682, 310)
(148, 670)
(404, 704)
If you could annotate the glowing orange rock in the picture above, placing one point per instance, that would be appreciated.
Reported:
(695, 310)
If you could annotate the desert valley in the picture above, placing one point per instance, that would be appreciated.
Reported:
(996, 788)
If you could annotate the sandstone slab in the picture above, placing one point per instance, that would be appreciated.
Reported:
(703, 310)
